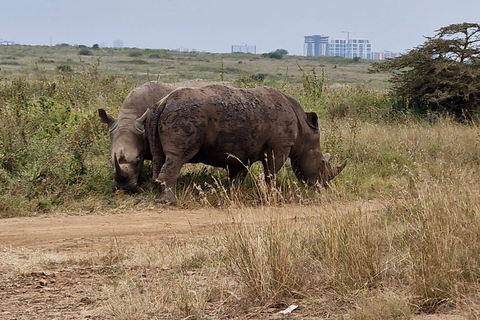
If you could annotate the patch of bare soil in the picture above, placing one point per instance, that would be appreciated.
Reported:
(70, 292)
(93, 231)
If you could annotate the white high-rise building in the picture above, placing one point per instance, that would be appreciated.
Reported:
(350, 48)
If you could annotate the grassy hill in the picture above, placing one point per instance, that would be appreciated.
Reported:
(172, 66)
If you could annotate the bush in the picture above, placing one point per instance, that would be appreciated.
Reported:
(441, 75)
(85, 52)
(272, 55)
(135, 54)
(65, 68)
(251, 81)
(283, 52)
(51, 140)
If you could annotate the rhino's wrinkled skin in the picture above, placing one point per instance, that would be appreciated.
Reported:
(231, 128)
(129, 146)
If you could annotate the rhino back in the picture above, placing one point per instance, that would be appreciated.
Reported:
(142, 98)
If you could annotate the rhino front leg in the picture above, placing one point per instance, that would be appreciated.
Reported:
(236, 175)
(157, 163)
(158, 157)
(272, 163)
(167, 179)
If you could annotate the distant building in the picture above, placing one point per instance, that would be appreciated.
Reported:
(322, 46)
(338, 48)
(382, 55)
(358, 48)
(6, 42)
(316, 45)
(244, 48)
(186, 50)
(118, 44)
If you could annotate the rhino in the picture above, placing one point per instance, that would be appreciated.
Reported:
(129, 147)
(228, 127)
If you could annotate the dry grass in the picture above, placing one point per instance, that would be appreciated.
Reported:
(411, 254)
(420, 252)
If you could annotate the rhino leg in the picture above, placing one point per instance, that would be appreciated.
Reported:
(236, 175)
(157, 163)
(158, 156)
(168, 177)
(273, 162)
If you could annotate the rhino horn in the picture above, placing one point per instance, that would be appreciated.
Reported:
(118, 170)
(121, 157)
(339, 168)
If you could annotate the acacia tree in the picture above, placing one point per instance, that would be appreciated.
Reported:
(442, 75)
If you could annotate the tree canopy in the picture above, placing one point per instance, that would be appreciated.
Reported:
(442, 75)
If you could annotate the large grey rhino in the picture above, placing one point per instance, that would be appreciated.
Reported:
(129, 146)
(231, 128)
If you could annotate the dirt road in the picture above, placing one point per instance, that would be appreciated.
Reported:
(93, 230)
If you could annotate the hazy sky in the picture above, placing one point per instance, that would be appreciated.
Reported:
(215, 25)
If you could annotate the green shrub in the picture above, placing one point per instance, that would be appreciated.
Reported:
(135, 54)
(65, 68)
(52, 145)
(272, 55)
(85, 52)
(251, 81)
(441, 75)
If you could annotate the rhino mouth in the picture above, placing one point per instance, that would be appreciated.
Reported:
(123, 179)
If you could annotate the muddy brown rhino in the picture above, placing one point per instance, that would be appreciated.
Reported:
(231, 128)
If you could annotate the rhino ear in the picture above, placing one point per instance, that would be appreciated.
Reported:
(144, 116)
(312, 120)
(106, 118)
(140, 122)
(326, 157)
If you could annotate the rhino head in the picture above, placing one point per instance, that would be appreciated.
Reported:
(311, 165)
(128, 148)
